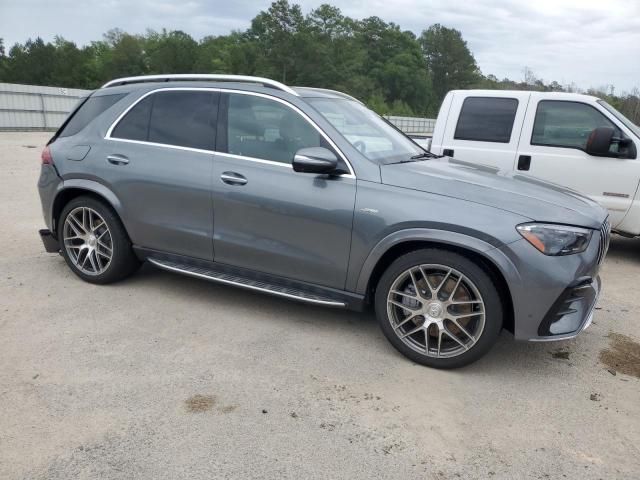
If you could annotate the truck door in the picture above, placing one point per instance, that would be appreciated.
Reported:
(553, 147)
(484, 127)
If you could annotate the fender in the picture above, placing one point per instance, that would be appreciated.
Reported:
(494, 254)
(90, 186)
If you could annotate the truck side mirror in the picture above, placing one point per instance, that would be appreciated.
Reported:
(599, 141)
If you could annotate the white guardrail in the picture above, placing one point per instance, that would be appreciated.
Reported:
(31, 107)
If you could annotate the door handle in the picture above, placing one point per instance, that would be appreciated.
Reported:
(524, 162)
(447, 152)
(117, 159)
(232, 178)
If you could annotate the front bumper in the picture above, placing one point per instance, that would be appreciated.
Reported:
(571, 313)
(553, 297)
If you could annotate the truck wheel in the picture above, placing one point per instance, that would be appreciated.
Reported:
(438, 308)
(94, 242)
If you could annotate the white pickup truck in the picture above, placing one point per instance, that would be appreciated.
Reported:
(574, 140)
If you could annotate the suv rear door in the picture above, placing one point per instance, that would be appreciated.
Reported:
(554, 137)
(484, 127)
(158, 160)
(267, 217)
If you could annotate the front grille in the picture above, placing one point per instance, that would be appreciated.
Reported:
(605, 237)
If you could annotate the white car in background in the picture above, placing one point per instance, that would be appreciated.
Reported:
(574, 140)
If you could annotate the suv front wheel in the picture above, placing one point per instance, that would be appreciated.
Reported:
(438, 308)
(94, 242)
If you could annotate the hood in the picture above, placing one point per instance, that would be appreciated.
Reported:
(523, 195)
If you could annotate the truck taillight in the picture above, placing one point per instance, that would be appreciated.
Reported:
(46, 156)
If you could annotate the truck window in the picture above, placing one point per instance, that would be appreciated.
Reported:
(566, 124)
(486, 119)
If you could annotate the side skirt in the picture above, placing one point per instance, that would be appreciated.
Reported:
(252, 280)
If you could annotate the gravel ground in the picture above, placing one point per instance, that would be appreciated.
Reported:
(167, 377)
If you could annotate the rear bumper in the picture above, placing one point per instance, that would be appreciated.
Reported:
(49, 185)
(50, 243)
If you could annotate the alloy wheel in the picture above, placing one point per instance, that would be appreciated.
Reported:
(436, 310)
(87, 241)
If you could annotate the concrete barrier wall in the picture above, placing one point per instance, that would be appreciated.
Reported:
(30, 107)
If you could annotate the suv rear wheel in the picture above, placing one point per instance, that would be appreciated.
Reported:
(94, 242)
(438, 308)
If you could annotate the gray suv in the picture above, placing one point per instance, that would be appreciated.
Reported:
(306, 194)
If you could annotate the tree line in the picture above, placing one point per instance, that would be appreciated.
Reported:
(393, 71)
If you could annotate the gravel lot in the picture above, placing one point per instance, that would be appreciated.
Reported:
(167, 377)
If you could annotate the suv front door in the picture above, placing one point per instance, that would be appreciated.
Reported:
(267, 217)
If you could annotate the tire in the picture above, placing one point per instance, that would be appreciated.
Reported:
(476, 308)
(94, 243)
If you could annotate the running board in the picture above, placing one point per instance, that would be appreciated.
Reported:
(230, 279)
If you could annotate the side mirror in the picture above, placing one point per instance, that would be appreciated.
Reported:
(599, 141)
(315, 160)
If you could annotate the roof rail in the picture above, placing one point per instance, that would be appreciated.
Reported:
(335, 92)
(200, 76)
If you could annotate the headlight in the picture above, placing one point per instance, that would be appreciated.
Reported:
(556, 239)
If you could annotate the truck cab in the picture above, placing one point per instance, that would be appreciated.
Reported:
(578, 141)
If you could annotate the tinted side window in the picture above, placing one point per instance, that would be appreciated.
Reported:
(267, 129)
(486, 119)
(566, 124)
(181, 118)
(184, 118)
(89, 110)
(135, 124)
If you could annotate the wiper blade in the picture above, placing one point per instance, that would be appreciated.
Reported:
(410, 160)
(415, 158)
(422, 155)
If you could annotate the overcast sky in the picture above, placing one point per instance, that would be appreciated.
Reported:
(590, 42)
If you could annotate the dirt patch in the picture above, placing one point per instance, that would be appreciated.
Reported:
(562, 354)
(623, 355)
(200, 403)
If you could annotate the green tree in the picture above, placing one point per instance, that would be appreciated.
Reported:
(276, 33)
(3, 60)
(234, 54)
(331, 57)
(123, 57)
(69, 65)
(170, 52)
(395, 62)
(390, 69)
(449, 60)
(31, 63)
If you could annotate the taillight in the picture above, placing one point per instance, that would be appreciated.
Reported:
(46, 156)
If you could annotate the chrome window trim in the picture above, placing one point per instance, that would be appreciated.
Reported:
(164, 145)
(108, 136)
(258, 160)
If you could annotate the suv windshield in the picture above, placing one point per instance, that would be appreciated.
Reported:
(627, 123)
(366, 131)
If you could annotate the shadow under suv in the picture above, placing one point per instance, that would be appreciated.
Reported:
(307, 194)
